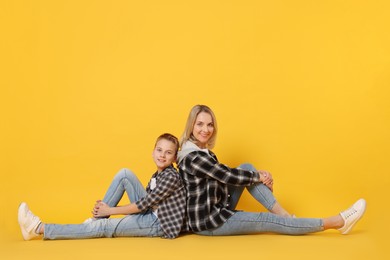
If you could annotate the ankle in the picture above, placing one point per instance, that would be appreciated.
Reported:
(279, 210)
(40, 228)
(334, 222)
(340, 221)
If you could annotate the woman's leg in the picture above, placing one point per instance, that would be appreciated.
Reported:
(124, 180)
(137, 225)
(264, 195)
(234, 195)
(242, 223)
(250, 223)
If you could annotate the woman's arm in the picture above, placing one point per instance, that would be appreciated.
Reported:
(205, 166)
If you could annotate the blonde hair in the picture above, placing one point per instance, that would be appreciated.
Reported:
(187, 134)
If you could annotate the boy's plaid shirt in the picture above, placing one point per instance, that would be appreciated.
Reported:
(170, 197)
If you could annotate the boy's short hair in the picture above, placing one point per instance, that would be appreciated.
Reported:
(171, 138)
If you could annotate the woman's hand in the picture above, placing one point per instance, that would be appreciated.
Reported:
(101, 209)
(266, 179)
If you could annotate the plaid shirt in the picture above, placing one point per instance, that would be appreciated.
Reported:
(170, 197)
(207, 183)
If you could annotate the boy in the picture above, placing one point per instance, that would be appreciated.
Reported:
(157, 211)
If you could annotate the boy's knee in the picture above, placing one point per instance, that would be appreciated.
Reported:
(124, 173)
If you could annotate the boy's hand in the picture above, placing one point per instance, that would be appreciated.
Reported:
(101, 209)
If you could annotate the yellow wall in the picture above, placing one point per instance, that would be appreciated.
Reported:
(300, 88)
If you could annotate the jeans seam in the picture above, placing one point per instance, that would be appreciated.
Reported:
(269, 205)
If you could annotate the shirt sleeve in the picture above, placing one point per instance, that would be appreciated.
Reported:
(205, 166)
(167, 183)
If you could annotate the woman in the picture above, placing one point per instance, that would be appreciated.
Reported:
(158, 211)
(213, 190)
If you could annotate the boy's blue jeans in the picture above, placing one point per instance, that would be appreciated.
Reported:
(142, 224)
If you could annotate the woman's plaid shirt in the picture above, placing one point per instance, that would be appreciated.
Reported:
(170, 197)
(207, 183)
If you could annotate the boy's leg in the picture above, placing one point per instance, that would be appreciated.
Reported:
(137, 225)
(124, 180)
(94, 229)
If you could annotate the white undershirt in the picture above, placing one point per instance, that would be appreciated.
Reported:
(152, 186)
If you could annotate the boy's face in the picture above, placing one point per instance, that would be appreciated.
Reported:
(164, 154)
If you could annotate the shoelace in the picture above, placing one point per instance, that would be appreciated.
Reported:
(349, 212)
(34, 220)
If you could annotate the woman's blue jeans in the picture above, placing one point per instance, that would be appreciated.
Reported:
(251, 223)
(142, 224)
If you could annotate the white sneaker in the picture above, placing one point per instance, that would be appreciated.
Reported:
(89, 220)
(28, 222)
(352, 215)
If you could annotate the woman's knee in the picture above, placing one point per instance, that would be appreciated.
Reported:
(246, 166)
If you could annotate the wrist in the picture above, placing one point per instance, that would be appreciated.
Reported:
(111, 211)
(261, 176)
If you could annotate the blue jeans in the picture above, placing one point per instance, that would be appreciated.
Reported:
(144, 224)
(258, 191)
(242, 223)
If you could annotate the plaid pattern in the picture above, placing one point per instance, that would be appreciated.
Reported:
(170, 197)
(207, 183)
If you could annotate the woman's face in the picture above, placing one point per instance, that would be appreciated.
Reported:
(203, 129)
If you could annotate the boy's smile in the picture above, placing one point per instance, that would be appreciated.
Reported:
(164, 154)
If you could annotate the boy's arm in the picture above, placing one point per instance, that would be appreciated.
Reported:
(168, 182)
(101, 209)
